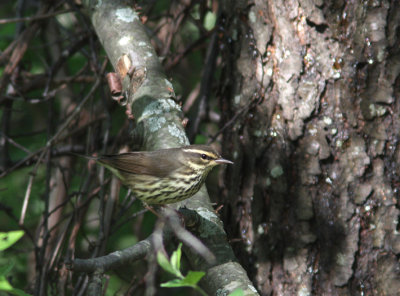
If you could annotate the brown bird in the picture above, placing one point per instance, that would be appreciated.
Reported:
(164, 176)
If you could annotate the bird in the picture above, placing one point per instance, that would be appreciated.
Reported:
(163, 176)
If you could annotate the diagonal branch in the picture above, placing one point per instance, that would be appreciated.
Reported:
(151, 100)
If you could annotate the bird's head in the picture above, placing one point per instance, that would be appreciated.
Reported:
(202, 157)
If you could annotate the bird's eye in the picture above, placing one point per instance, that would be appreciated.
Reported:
(203, 156)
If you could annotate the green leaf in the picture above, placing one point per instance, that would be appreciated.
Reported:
(164, 263)
(173, 265)
(193, 277)
(237, 292)
(6, 286)
(7, 239)
(191, 280)
(173, 284)
(6, 268)
(176, 258)
(210, 20)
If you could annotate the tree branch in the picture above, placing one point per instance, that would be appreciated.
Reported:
(113, 260)
(151, 100)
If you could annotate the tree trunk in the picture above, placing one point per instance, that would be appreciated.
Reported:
(309, 90)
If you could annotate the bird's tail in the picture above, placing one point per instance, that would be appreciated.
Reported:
(84, 156)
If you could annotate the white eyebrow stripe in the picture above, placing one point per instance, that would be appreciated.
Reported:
(200, 152)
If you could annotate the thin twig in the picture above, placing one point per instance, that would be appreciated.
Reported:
(50, 142)
(201, 104)
(229, 123)
(29, 158)
(33, 18)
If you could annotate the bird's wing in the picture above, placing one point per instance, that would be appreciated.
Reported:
(153, 163)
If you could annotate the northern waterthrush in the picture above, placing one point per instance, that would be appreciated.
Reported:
(164, 176)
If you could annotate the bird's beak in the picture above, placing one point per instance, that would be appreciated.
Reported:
(221, 160)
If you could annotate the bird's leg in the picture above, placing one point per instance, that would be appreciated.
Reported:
(151, 210)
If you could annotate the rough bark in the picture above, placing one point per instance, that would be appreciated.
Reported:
(313, 89)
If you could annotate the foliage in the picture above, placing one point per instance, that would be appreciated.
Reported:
(173, 267)
(237, 292)
(7, 239)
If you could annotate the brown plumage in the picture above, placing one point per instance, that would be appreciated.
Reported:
(164, 176)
